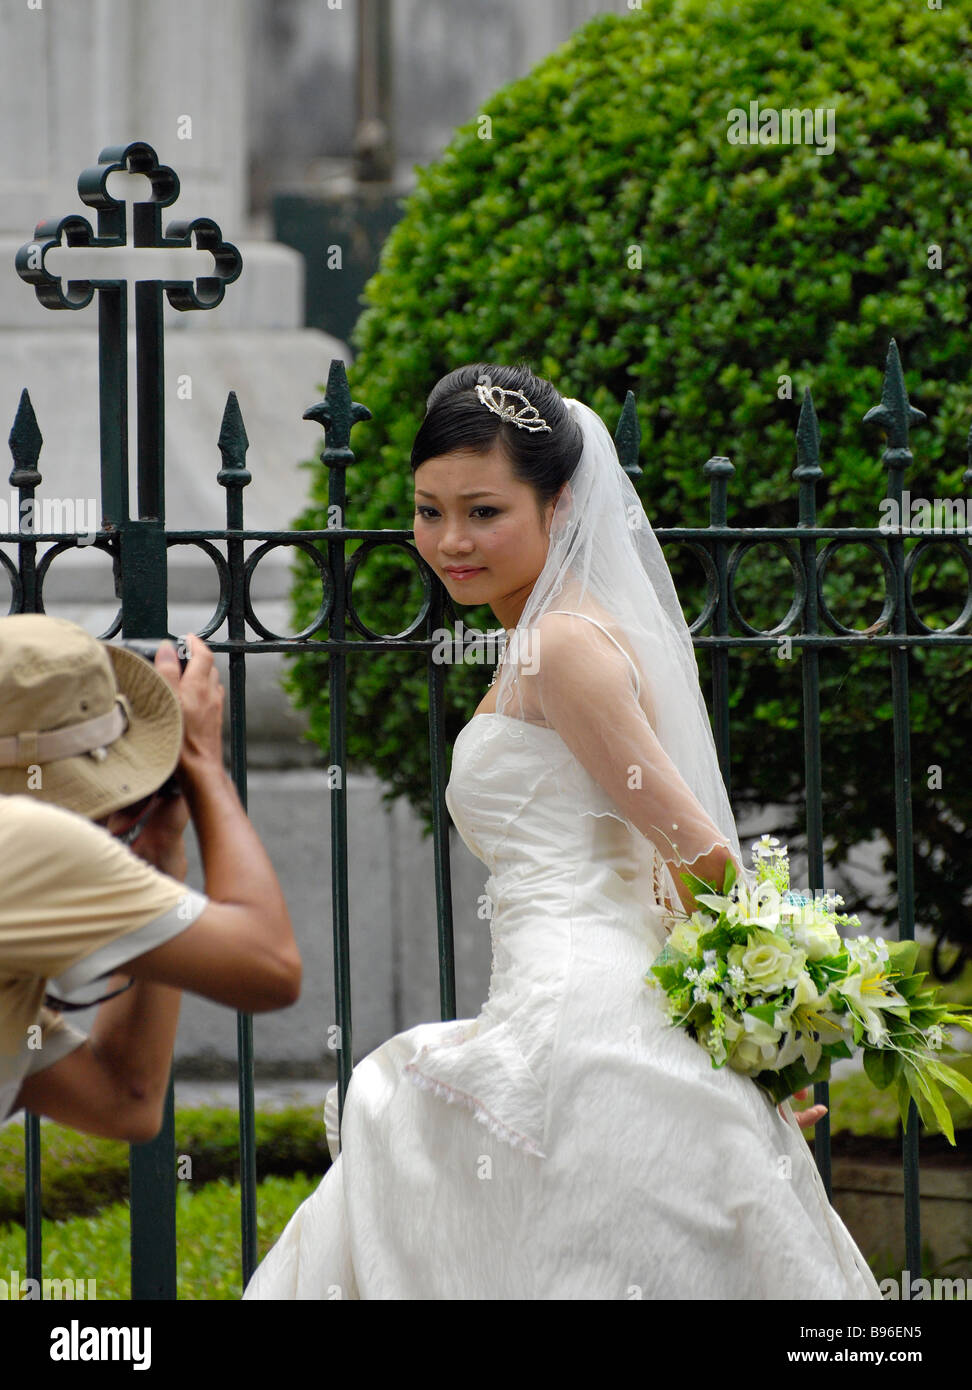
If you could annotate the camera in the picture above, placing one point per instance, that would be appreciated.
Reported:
(148, 646)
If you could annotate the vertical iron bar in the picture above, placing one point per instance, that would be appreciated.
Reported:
(337, 413)
(808, 473)
(32, 1194)
(900, 700)
(234, 476)
(337, 694)
(149, 388)
(113, 403)
(144, 568)
(440, 831)
(152, 1174)
(25, 446)
(719, 470)
(895, 416)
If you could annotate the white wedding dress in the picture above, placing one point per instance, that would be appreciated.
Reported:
(567, 1143)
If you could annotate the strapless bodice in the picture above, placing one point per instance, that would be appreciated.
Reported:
(574, 913)
(538, 820)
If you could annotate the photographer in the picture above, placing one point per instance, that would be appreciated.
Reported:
(89, 734)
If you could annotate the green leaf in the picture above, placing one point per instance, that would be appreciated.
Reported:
(934, 1097)
(719, 939)
(729, 877)
(697, 885)
(881, 1066)
(949, 1076)
(903, 1098)
(765, 1012)
(903, 955)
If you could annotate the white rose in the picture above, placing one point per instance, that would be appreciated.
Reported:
(817, 938)
(768, 960)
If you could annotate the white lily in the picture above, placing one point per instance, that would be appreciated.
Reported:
(761, 907)
(868, 991)
(811, 1017)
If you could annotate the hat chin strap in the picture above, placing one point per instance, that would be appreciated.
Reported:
(90, 736)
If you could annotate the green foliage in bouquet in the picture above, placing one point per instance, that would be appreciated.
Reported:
(603, 228)
(764, 981)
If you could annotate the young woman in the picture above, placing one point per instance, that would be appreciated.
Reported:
(567, 1142)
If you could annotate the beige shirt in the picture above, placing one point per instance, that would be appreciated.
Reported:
(75, 905)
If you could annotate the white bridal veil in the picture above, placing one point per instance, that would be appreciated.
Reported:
(644, 734)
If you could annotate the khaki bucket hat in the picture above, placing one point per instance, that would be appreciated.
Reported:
(84, 724)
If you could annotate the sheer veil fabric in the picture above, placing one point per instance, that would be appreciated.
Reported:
(631, 710)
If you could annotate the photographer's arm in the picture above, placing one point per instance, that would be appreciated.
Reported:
(241, 949)
(114, 1084)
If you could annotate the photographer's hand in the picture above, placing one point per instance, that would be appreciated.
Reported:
(160, 841)
(201, 695)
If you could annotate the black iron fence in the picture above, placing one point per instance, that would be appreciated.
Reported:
(139, 544)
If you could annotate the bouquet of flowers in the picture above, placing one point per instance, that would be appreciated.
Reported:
(762, 978)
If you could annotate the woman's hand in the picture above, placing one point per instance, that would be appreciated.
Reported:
(806, 1119)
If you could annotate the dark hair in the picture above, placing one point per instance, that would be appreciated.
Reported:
(457, 419)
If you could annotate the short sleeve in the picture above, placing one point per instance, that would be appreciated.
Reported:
(57, 1040)
(77, 891)
(31, 1039)
(586, 687)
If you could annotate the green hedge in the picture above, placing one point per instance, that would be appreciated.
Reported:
(757, 262)
(81, 1174)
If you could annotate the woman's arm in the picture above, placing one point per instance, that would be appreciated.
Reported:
(582, 686)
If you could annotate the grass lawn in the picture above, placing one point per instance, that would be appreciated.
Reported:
(208, 1239)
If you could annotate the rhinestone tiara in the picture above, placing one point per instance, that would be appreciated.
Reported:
(502, 403)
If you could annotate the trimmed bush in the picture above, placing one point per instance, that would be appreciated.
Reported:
(606, 230)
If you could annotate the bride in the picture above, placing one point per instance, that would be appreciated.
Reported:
(566, 1143)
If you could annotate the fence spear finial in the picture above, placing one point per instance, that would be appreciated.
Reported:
(25, 444)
